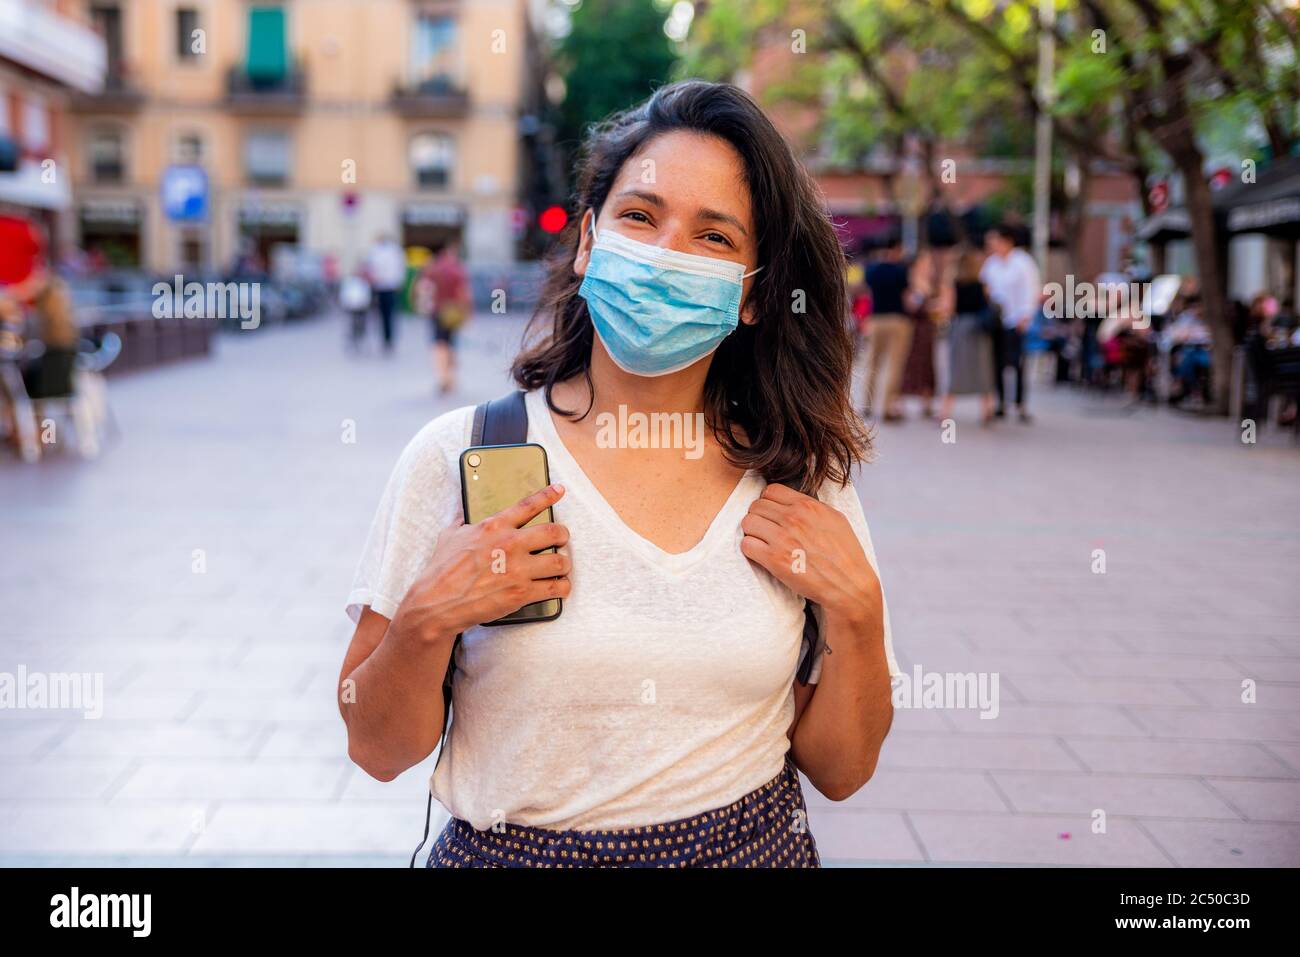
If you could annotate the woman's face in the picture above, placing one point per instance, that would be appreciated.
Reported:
(683, 191)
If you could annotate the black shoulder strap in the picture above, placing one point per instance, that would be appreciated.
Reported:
(502, 421)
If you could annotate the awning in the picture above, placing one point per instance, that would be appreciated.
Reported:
(29, 187)
(1172, 223)
(268, 55)
(1269, 205)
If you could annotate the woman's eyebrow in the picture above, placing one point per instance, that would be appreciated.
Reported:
(713, 215)
(654, 199)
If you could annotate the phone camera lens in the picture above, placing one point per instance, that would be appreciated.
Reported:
(474, 460)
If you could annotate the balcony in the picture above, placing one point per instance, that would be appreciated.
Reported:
(39, 38)
(281, 95)
(438, 97)
(120, 94)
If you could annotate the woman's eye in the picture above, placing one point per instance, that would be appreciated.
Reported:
(718, 238)
(636, 216)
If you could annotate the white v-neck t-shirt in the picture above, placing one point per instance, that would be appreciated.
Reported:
(665, 687)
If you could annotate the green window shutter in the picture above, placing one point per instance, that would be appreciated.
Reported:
(268, 55)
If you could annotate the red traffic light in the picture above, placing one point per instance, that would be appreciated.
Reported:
(553, 219)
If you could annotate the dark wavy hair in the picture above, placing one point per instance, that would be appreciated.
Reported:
(777, 391)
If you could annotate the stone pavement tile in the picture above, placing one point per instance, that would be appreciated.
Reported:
(1272, 668)
(1260, 800)
(327, 738)
(1116, 794)
(1048, 719)
(853, 836)
(133, 705)
(994, 639)
(1289, 754)
(1070, 689)
(1224, 758)
(1243, 723)
(223, 704)
(282, 677)
(898, 789)
(287, 827)
(1226, 694)
(216, 779)
(1228, 844)
(58, 828)
(28, 781)
(1160, 643)
(151, 739)
(1034, 839)
(974, 752)
(30, 737)
(1002, 661)
(1154, 666)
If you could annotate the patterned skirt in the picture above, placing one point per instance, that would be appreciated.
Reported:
(768, 827)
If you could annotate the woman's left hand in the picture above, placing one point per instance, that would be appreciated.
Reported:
(811, 548)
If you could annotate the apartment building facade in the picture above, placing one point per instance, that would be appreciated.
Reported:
(228, 127)
(47, 53)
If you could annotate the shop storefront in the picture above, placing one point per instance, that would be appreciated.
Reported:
(111, 231)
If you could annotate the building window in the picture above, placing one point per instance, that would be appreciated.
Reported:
(435, 53)
(432, 158)
(187, 21)
(107, 19)
(107, 157)
(187, 150)
(266, 158)
(36, 125)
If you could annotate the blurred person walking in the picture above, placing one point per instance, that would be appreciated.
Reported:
(921, 303)
(970, 337)
(386, 270)
(447, 301)
(891, 330)
(1011, 277)
(355, 298)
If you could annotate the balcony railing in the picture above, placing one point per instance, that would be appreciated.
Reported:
(439, 96)
(120, 94)
(253, 94)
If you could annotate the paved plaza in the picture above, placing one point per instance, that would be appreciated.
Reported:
(1132, 581)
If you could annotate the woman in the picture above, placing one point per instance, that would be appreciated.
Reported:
(970, 346)
(656, 721)
(918, 373)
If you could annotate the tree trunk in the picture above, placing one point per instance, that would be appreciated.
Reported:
(1209, 268)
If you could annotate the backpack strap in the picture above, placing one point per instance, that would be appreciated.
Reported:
(502, 421)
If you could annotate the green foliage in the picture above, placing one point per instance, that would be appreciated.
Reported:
(614, 56)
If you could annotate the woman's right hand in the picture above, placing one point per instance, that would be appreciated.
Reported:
(485, 571)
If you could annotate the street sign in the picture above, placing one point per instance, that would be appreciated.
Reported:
(185, 194)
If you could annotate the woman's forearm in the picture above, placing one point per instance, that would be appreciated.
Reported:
(838, 738)
(393, 706)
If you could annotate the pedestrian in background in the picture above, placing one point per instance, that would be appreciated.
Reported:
(386, 270)
(355, 298)
(970, 337)
(1011, 277)
(921, 303)
(891, 329)
(448, 301)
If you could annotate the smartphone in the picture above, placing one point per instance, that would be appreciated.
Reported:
(494, 477)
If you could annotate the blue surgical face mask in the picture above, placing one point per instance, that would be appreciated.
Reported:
(657, 310)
